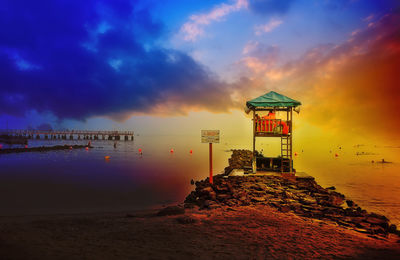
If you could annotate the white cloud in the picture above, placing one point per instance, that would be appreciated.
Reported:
(268, 27)
(192, 29)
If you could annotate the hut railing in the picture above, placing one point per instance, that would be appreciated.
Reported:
(271, 126)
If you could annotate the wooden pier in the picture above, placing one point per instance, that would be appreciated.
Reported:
(70, 134)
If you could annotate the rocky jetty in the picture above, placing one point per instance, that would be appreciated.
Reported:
(42, 148)
(10, 139)
(302, 197)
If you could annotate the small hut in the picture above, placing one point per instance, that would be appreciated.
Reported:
(270, 126)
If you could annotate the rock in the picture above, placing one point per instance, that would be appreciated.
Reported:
(377, 219)
(308, 200)
(208, 193)
(213, 205)
(331, 188)
(365, 231)
(378, 230)
(223, 197)
(363, 225)
(335, 198)
(230, 209)
(350, 203)
(392, 228)
(191, 198)
(222, 189)
(257, 199)
(171, 210)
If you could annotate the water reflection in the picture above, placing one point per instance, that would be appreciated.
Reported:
(74, 181)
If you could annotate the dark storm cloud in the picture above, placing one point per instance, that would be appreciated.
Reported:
(266, 7)
(78, 59)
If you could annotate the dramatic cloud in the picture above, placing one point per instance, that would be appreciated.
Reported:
(79, 59)
(351, 88)
(268, 27)
(268, 7)
(192, 29)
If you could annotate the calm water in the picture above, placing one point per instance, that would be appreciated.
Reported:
(83, 181)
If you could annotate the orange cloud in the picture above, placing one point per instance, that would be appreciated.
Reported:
(353, 87)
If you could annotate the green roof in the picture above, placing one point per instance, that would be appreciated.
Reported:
(272, 99)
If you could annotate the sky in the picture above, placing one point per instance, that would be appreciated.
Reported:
(175, 67)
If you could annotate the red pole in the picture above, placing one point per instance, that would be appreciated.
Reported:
(211, 173)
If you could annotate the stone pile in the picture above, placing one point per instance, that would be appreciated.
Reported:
(240, 159)
(303, 197)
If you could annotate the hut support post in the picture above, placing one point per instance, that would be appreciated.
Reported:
(254, 164)
(291, 140)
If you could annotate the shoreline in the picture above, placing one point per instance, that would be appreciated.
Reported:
(42, 148)
(241, 232)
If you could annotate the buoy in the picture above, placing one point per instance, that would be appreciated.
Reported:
(70, 147)
(172, 150)
(1, 146)
(295, 154)
(140, 150)
(336, 155)
(86, 148)
(26, 146)
(107, 157)
(191, 151)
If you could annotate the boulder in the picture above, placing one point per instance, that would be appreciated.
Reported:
(350, 203)
(392, 228)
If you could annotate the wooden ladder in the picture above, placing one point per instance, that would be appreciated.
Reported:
(286, 152)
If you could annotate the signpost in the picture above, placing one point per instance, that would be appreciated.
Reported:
(210, 136)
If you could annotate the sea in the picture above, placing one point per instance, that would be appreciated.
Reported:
(84, 181)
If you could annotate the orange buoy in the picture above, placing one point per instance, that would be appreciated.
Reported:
(86, 148)
(107, 157)
(172, 150)
(336, 155)
(295, 154)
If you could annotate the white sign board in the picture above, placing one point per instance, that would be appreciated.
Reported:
(210, 136)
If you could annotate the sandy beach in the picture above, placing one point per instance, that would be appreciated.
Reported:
(252, 232)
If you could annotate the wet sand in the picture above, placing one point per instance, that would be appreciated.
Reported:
(245, 232)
